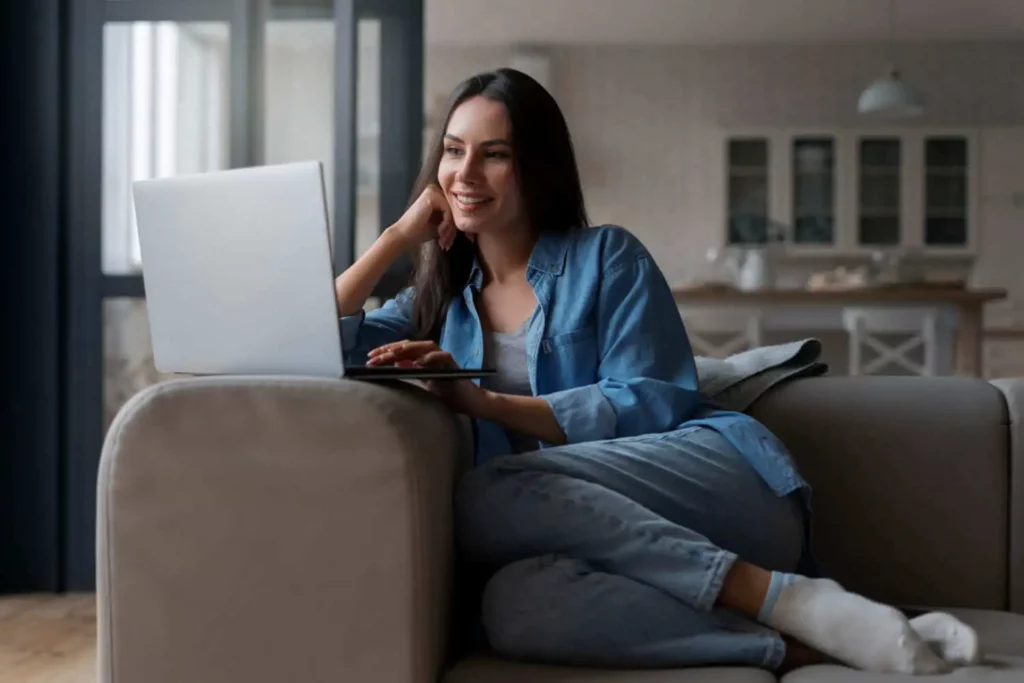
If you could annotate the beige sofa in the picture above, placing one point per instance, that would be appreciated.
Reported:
(256, 530)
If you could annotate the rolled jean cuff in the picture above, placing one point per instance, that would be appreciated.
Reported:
(775, 654)
(720, 564)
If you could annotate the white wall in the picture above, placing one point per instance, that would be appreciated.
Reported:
(447, 66)
(645, 120)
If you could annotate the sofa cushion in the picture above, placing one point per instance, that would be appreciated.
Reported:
(911, 483)
(1001, 635)
(1002, 640)
(996, 669)
(487, 669)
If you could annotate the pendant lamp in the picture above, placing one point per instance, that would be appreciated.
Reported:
(890, 96)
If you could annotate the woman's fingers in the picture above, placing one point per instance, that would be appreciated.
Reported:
(437, 359)
(446, 231)
(405, 343)
(400, 351)
(411, 354)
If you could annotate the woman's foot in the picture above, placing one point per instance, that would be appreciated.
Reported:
(947, 636)
(950, 638)
(852, 629)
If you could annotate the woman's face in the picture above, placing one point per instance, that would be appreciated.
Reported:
(476, 171)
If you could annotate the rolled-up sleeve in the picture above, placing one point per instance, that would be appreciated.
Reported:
(583, 413)
(363, 332)
(647, 374)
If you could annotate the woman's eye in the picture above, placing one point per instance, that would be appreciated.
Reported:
(452, 151)
(497, 155)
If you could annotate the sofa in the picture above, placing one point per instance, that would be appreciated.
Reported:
(259, 530)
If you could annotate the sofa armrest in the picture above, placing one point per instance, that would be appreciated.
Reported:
(1013, 392)
(265, 529)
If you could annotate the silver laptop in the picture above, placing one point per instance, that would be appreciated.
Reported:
(238, 276)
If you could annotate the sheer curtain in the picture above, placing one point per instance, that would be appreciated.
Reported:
(164, 113)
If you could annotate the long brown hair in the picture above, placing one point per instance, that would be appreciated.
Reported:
(546, 172)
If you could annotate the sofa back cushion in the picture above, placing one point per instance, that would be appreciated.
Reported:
(910, 480)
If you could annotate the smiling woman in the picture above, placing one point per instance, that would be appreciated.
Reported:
(504, 160)
(494, 196)
(604, 482)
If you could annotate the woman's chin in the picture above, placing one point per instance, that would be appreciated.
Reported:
(470, 227)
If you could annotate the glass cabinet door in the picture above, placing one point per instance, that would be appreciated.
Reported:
(814, 172)
(945, 191)
(747, 190)
(878, 191)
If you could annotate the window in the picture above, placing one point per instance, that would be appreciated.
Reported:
(368, 85)
(165, 94)
(878, 192)
(945, 190)
(299, 101)
(748, 190)
(813, 191)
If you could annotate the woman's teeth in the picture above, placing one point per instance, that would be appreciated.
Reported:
(470, 200)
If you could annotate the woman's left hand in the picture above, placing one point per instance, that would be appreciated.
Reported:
(461, 395)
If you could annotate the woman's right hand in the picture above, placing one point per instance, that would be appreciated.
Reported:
(428, 218)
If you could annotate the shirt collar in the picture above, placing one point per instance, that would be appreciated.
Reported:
(548, 257)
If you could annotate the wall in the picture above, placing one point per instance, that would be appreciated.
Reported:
(645, 120)
(447, 66)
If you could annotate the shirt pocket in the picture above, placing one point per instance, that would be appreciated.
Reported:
(574, 354)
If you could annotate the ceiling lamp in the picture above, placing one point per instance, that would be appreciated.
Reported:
(891, 96)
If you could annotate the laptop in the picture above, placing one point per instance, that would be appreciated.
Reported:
(239, 280)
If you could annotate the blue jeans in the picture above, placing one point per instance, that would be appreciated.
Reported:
(613, 553)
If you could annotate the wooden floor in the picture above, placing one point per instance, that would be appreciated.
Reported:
(48, 639)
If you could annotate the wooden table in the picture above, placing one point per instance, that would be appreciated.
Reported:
(969, 305)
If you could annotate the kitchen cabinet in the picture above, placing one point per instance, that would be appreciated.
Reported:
(851, 191)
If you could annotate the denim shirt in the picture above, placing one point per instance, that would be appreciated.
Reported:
(606, 349)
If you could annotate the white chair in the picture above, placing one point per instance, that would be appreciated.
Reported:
(721, 333)
(928, 328)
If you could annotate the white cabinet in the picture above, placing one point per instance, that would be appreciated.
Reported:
(1001, 213)
(850, 191)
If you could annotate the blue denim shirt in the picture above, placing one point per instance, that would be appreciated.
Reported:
(607, 349)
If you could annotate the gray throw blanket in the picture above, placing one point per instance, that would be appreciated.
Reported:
(734, 383)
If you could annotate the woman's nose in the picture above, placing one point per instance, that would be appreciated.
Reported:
(469, 170)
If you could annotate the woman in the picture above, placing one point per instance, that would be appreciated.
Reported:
(630, 523)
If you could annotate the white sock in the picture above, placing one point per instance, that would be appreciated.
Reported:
(952, 639)
(850, 628)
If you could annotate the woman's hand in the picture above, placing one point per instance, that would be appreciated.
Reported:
(529, 415)
(428, 218)
(461, 395)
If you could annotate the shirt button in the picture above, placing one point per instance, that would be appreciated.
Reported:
(476, 352)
